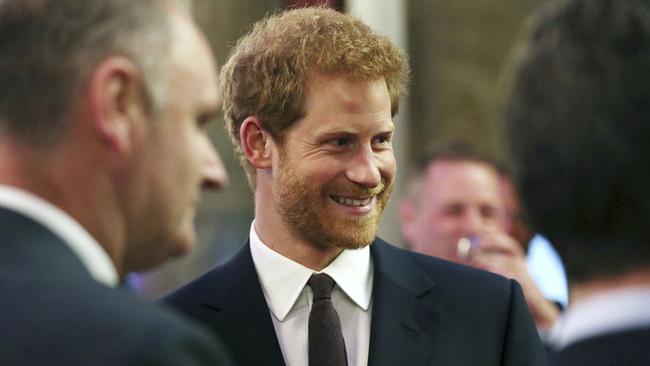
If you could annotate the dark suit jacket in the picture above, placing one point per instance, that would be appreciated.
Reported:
(629, 348)
(52, 312)
(425, 311)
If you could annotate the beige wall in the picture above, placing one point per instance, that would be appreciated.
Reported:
(458, 49)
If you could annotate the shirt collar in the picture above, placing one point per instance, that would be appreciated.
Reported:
(91, 254)
(283, 280)
(593, 316)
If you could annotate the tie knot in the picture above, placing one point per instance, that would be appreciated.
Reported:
(322, 285)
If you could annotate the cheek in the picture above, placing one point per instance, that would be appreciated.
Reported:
(492, 221)
(426, 224)
(324, 184)
(321, 174)
(188, 151)
(442, 225)
(387, 165)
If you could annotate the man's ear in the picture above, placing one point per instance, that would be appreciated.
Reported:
(256, 142)
(116, 102)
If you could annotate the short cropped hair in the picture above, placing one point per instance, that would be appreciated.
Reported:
(450, 150)
(49, 48)
(455, 150)
(578, 121)
(267, 71)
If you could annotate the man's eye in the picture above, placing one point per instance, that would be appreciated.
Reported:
(454, 211)
(488, 212)
(341, 142)
(382, 140)
(203, 120)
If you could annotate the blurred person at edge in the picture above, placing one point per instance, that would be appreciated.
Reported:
(310, 96)
(455, 210)
(578, 124)
(102, 158)
(542, 260)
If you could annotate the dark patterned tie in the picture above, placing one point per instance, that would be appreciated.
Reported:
(326, 345)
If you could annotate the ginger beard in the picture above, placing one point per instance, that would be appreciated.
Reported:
(304, 207)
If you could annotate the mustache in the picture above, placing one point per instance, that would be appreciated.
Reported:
(355, 189)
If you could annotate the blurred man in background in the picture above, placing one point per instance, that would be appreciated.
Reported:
(578, 118)
(102, 158)
(455, 211)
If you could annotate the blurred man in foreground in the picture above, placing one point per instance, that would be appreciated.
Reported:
(542, 261)
(578, 122)
(310, 97)
(102, 158)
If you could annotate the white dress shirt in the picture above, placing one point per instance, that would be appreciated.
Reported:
(91, 254)
(546, 269)
(608, 312)
(289, 299)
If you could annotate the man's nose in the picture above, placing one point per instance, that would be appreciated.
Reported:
(472, 222)
(363, 168)
(213, 172)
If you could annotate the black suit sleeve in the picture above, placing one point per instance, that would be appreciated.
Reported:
(192, 348)
(522, 344)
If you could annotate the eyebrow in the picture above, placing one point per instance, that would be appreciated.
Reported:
(211, 109)
(208, 114)
(347, 131)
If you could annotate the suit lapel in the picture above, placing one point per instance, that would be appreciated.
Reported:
(242, 313)
(403, 323)
(403, 318)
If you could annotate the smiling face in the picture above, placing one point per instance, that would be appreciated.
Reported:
(336, 164)
(456, 199)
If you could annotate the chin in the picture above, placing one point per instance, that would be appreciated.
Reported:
(144, 263)
(183, 238)
(347, 237)
(353, 245)
(184, 243)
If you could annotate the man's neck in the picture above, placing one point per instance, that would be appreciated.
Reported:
(278, 235)
(281, 240)
(587, 289)
(61, 178)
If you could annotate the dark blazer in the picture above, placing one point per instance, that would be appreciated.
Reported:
(629, 347)
(425, 311)
(52, 312)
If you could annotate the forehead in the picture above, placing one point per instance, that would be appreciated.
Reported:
(191, 59)
(462, 181)
(338, 102)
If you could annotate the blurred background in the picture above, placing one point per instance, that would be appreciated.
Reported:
(457, 49)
